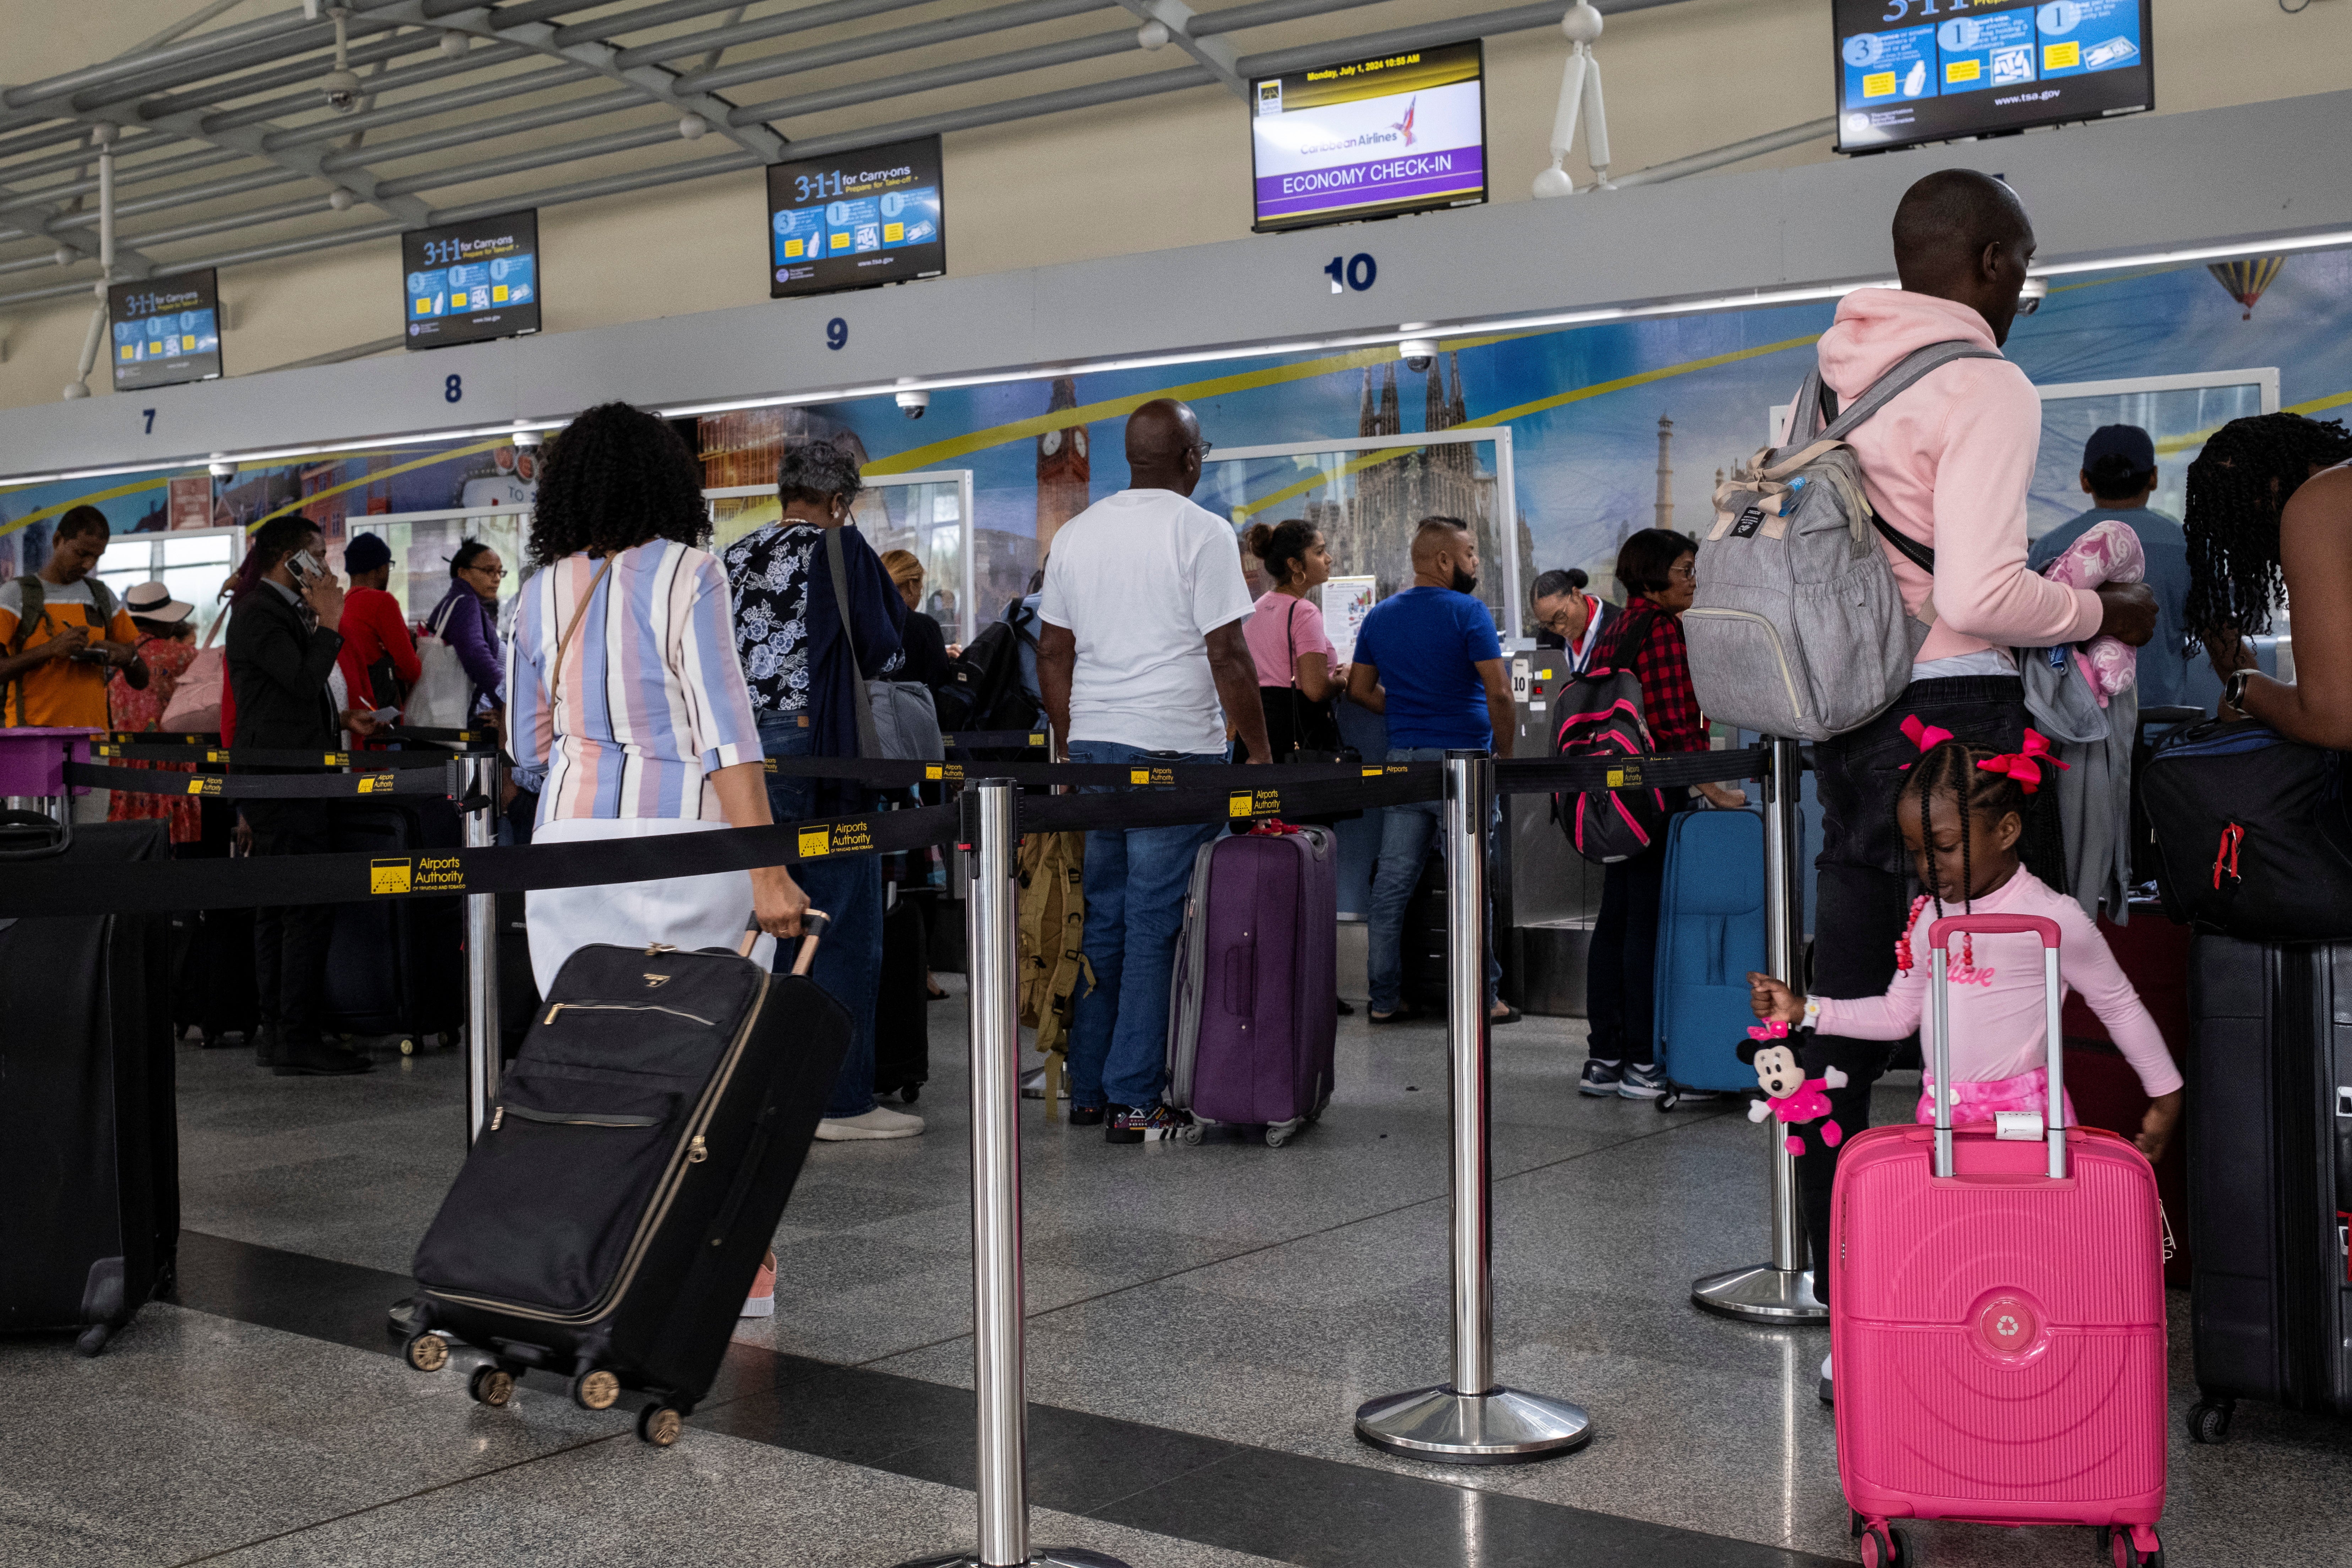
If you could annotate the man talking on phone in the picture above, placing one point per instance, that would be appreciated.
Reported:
(62, 633)
(282, 646)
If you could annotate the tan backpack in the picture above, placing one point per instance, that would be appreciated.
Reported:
(1049, 958)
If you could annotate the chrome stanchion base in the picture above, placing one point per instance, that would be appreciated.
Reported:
(1762, 1295)
(1503, 1427)
(1044, 1557)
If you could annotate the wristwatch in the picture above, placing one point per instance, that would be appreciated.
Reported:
(2234, 689)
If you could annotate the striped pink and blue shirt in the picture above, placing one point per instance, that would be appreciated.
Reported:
(651, 699)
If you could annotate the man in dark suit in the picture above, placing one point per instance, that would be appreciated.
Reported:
(281, 650)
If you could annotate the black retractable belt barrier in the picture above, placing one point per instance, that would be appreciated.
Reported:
(996, 739)
(1279, 797)
(437, 737)
(441, 781)
(249, 756)
(1132, 775)
(1672, 770)
(37, 889)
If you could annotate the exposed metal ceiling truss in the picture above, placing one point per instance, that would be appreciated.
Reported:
(200, 119)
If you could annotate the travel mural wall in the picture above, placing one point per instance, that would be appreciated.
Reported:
(1584, 407)
(1584, 404)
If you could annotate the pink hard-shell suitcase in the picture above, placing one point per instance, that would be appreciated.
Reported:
(1997, 1316)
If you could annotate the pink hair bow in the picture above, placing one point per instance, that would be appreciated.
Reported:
(1774, 1030)
(2024, 764)
(1925, 736)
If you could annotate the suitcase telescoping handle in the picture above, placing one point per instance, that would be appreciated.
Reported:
(2053, 1121)
(812, 924)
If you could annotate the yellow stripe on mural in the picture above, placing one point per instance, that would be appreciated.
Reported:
(940, 452)
(117, 493)
(1519, 411)
(374, 474)
(2177, 444)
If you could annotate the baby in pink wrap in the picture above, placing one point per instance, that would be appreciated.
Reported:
(2109, 551)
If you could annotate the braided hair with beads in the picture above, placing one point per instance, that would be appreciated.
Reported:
(1949, 771)
(2237, 488)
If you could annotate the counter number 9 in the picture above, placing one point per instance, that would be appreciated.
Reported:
(836, 334)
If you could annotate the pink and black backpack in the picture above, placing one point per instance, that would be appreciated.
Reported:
(1600, 719)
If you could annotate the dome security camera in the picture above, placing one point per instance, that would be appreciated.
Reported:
(343, 91)
(2029, 298)
(221, 468)
(528, 439)
(1417, 353)
(912, 403)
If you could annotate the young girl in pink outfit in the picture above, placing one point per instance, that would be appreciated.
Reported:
(1962, 813)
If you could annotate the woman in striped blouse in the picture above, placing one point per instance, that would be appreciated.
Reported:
(622, 681)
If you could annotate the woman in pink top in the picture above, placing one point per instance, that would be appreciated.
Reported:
(1298, 671)
(1968, 856)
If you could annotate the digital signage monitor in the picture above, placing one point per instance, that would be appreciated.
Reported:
(164, 330)
(469, 281)
(1369, 138)
(1932, 71)
(875, 216)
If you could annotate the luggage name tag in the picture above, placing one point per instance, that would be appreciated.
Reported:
(2017, 1126)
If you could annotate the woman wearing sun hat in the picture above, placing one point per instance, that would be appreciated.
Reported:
(167, 645)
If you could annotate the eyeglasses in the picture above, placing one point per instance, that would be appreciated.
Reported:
(493, 572)
(1682, 573)
(1204, 449)
(1557, 623)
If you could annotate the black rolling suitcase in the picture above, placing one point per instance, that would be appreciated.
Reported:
(90, 1227)
(518, 985)
(607, 1225)
(2270, 1177)
(902, 1024)
(396, 967)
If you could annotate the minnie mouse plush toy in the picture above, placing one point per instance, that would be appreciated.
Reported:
(1788, 1094)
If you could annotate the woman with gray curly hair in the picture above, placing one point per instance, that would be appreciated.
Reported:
(804, 666)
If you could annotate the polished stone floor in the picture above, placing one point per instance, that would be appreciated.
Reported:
(1203, 1322)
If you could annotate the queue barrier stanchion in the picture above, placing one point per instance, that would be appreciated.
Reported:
(1782, 1290)
(1470, 1419)
(483, 1063)
(991, 841)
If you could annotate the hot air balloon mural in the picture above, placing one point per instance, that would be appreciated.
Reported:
(2245, 281)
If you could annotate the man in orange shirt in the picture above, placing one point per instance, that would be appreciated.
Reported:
(64, 633)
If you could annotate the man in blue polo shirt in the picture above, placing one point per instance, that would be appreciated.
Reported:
(1428, 658)
(2119, 474)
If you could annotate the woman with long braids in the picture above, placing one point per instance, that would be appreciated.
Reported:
(1962, 811)
(622, 683)
(2270, 509)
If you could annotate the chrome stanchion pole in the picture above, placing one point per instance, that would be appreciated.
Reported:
(1781, 1291)
(992, 855)
(482, 1063)
(1470, 1419)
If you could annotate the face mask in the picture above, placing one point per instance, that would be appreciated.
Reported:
(1465, 582)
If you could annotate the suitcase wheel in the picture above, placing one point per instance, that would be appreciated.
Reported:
(659, 1425)
(595, 1390)
(1275, 1137)
(1884, 1546)
(426, 1351)
(2132, 1546)
(1191, 1131)
(1668, 1101)
(2208, 1420)
(493, 1385)
(93, 1339)
(407, 1047)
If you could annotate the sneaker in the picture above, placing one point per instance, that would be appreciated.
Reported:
(1141, 1124)
(1087, 1115)
(879, 1122)
(1599, 1077)
(762, 1301)
(1642, 1080)
(1828, 1396)
(1032, 1084)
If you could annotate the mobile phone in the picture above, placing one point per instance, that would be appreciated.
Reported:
(305, 570)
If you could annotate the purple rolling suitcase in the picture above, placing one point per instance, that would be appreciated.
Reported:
(1253, 1004)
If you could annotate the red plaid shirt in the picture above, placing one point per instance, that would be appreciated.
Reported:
(1662, 662)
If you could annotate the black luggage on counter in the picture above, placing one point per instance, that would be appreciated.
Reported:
(90, 1163)
(607, 1225)
(902, 1024)
(2270, 1177)
(397, 966)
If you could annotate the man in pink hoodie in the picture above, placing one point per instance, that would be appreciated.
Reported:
(1948, 464)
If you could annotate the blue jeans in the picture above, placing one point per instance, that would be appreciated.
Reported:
(849, 888)
(1136, 881)
(1406, 832)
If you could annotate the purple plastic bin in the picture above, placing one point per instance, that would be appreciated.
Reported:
(32, 761)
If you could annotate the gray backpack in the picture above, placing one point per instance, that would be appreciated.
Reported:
(1798, 629)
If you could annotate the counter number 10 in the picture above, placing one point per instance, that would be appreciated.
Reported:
(1358, 272)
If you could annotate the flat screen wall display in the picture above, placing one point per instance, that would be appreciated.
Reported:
(165, 330)
(1371, 138)
(876, 215)
(472, 281)
(1930, 71)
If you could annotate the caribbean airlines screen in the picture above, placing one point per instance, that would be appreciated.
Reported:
(1929, 70)
(1371, 138)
